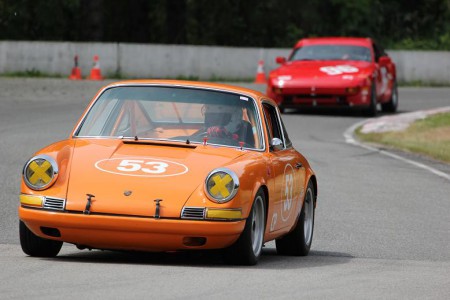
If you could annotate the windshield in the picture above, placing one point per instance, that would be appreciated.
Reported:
(331, 52)
(174, 114)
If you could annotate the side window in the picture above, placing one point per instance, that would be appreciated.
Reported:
(377, 51)
(273, 125)
(286, 136)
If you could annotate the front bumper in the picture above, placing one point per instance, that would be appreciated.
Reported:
(321, 97)
(129, 232)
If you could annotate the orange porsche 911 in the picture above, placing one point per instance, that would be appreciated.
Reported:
(160, 165)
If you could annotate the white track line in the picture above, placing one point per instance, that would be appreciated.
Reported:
(348, 135)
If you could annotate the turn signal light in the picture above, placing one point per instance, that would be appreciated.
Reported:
(224, 214)
(277, 90)
(31, 200)
(352, 90)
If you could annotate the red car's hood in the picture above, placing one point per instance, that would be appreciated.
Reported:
(321, 73)
(126, 178)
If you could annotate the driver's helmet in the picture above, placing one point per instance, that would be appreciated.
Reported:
(222, 115)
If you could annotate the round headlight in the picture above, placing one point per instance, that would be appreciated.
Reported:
(40, 172)
(221, 185)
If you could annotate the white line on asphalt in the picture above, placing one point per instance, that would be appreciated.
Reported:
(348, 135)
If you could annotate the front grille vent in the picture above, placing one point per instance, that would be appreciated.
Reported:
(54, 203)
(197, 213)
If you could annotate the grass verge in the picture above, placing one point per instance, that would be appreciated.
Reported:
(430, 136)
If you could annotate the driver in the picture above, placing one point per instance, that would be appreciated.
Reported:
(225, 121)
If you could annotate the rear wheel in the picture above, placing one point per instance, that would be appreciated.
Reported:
(248, 248)
(37, 246)
(298, 241)
(392, 105)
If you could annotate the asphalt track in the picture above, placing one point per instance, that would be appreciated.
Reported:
(382, 225)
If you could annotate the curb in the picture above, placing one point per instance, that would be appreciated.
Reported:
(397, 121)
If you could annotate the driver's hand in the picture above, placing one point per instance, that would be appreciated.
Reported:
(217, 131)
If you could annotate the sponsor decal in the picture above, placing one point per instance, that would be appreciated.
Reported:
(141, 167)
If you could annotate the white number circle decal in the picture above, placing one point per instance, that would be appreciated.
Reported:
(340, 69)
(142, 167)
(287, 192)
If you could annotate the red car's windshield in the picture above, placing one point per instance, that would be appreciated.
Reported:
(331, 52)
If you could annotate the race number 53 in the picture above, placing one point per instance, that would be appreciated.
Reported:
(288, 192)
(149, 167)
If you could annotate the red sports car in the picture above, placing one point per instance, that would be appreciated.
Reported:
(335, 72)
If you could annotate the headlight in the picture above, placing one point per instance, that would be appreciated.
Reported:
(221, 185)
(40, 172)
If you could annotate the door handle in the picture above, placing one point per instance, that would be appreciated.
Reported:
(299, 165)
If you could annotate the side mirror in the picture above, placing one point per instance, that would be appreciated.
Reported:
(276, 144)
(280, 60)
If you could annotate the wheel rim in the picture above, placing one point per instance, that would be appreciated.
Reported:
(257, 230)
(309, 217)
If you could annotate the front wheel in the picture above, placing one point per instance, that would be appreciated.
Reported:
(392, 105)
(247, 249)
(36, 246)
(371, 111)
(298, 241)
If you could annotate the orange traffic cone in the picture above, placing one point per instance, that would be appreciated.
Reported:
(96, 73)
(76, 71)
(260, 75)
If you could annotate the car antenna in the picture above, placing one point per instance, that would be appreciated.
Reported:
(188, 141)
(136, 138)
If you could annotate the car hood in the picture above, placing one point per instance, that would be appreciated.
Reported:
(318, 73)
(126, 177)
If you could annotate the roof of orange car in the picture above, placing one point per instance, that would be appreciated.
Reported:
(196, 84)
(357, 41)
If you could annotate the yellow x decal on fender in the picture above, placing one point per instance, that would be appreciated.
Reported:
(40, 172)
(220, 185)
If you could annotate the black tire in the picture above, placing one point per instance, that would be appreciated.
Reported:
(392, 105)
(247, 249)
(371, 111)
(33, 245)
(298, 241)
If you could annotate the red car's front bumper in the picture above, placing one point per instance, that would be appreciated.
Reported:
(324, 97)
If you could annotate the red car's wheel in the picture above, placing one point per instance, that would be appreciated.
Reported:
(372, 109)
(392, 105)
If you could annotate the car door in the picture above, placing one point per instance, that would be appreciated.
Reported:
(287, 173)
